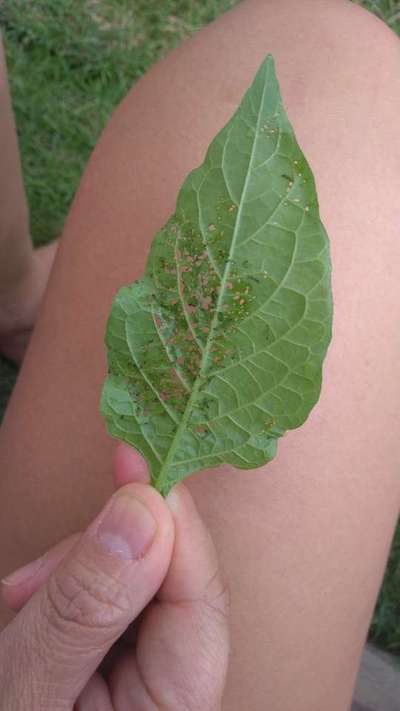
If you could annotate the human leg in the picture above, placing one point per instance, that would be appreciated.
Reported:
(23, 271)
(304, 540)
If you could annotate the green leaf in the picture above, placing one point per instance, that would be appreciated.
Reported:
(219, 348)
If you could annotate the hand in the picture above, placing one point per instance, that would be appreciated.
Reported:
(140, 554)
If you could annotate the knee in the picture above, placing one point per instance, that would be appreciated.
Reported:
(342, 52)
(356, 35)
(339, 30)
(363, 53)
(363, 29)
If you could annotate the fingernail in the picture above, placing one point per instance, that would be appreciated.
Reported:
(128, 528)
(23, 574)
(176, 498)
(172, 500)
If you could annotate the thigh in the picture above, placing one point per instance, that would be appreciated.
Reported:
(305, 539)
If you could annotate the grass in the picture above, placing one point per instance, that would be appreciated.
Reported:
(70, 63)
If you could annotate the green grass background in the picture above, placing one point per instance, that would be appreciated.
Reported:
(70, 62)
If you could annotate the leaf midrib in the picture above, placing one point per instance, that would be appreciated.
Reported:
(159, 481)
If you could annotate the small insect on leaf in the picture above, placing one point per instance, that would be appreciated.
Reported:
(223, 339)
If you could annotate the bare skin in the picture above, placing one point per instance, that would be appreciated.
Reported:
(20, 305)
(304, 540)
(140, 553)
(23, 271)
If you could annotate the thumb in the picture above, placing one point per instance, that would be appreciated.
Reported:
(62, 634)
